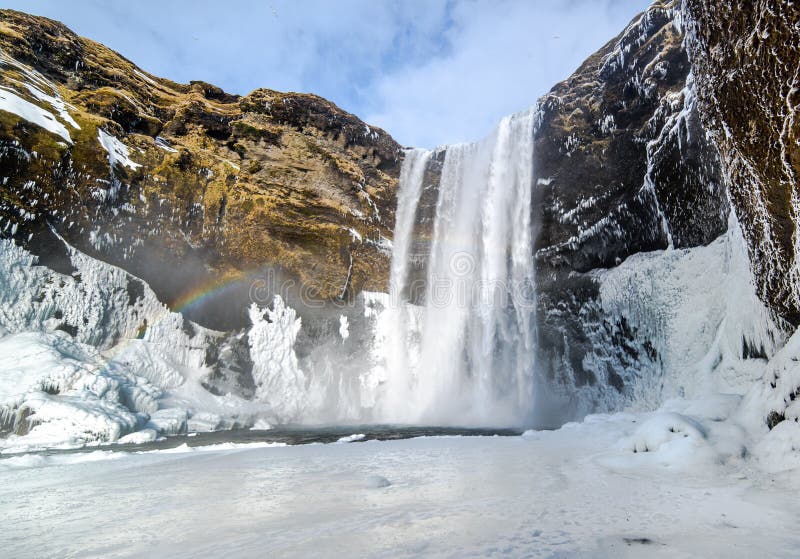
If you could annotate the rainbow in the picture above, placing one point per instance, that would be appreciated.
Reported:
(202, 293)
(196, 296)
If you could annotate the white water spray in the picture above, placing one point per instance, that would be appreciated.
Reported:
(471, 359)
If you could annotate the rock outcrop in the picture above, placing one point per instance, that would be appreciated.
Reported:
(194, 190)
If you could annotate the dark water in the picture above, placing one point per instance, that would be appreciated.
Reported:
(297, 434)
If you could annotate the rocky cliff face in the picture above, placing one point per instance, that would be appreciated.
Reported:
(746, 57)
(186, 186)
(623, 166)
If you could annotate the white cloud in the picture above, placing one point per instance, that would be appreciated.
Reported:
(428, 71)
(504, 56)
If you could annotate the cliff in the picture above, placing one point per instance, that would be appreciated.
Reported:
(746, 57)
(184, 185)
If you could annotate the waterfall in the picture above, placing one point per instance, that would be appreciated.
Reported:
(468, 358)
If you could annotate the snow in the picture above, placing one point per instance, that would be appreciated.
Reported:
(279, 380)
(165, 145)
(344, 327)
(139, 437)
(126, 365)
(14, 104)
(356, 437)
(54, 101)
(261, 425)
(118, 153)
(355, 235)
(575, 492)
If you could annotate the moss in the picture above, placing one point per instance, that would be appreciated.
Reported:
(287, 203)
(242, 129)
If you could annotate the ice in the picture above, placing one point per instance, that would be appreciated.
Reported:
(699, 310)
(127, 363)
(279, 381)
(169, 421)
(352, 438)
(139, 437)
(574, 492)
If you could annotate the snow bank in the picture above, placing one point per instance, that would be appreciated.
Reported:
(681, 441)
(118, 153)
(139, 437)
(14, 104)
(779, 450)
(771, 410)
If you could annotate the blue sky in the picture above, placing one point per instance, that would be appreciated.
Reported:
(428, 71)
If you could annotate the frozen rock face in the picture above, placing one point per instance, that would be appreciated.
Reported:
(746, 57)
(184, 185)
(623, 166)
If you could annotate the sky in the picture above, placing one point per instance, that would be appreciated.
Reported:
(429, 72)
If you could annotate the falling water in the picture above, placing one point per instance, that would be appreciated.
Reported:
(474, 344)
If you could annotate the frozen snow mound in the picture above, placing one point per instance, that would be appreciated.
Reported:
(92, 356)
(771, 410)
(677, 440)
(779, 450)
(57, 392)
(665, 429)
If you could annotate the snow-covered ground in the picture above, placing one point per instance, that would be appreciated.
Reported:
(580, 491)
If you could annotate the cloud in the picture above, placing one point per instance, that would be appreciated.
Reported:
(504, 55)
(427, 71)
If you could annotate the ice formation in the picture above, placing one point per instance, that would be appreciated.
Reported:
(93, 356)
